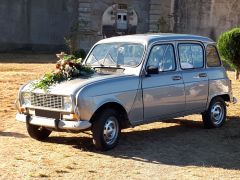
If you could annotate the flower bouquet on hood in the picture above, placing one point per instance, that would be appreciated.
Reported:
(67, 68)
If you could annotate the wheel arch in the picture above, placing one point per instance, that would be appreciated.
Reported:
(225, 97)
(124, 123)
(212, 118)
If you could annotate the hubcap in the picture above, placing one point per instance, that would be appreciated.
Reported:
(110, 131)
(217, 113)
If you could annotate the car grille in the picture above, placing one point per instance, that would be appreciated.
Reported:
(47, 100)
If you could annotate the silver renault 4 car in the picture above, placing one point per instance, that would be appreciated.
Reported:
(138, 79)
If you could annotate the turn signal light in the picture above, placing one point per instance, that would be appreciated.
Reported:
(22, 109)
(70, 116)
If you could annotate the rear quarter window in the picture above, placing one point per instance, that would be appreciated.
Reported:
(212, 56)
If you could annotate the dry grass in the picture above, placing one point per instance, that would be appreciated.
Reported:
(178, 149)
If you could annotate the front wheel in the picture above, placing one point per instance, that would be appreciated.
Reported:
(106, 130)
(37, 132)
(215, 116)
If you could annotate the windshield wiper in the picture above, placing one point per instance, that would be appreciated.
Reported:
(111, 58)
(96, 60)
(109, 69)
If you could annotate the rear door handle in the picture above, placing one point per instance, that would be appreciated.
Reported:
(202, 75)
(176, 78)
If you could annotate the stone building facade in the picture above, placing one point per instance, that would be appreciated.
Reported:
(43, 25)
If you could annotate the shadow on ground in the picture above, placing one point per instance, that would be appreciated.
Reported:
(12, 134)
(185, 143)
(28, 57)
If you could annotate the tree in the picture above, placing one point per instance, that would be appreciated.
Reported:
(229, 48)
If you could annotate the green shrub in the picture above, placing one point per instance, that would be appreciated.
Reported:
(229, 48)
(80, 53)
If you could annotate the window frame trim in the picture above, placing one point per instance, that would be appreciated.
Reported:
(174, 53)
(203, 52)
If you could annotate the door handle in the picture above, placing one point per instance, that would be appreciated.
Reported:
(176, 78)
(202, 75)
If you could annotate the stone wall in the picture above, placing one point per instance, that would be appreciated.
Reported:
(224, 15)
(91, 11)
(192, 17)
(43, 24)
(160, 16)
(35, 25)
(206, 17)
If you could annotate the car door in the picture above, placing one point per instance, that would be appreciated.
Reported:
(163, 92)
(191, 57)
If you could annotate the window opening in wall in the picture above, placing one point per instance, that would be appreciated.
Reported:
(122, 6)
(122, 23)
(119, 19)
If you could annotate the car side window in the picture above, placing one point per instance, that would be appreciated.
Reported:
(162, 56)
(213, 59)
(191, 55)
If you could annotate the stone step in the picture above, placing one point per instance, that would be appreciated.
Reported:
(156, 5)
(156, 2)
(84, 13)
(85, 1)
(155, 12)
(154, 16)
(85, 5)
(84, 9)
(153, 28)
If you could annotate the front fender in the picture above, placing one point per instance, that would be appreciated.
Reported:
(90, 98)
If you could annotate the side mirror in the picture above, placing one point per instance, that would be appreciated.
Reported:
(152, 70)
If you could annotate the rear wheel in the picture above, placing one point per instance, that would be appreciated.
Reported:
(215, 116)
(37, 132)
(106, 129)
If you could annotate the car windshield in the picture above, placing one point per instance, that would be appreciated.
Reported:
(115, 54)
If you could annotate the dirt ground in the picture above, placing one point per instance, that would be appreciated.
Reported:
(178, 149)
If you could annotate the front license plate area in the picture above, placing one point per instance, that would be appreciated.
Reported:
(47, 114)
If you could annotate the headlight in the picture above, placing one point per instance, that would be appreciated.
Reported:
(67, 103)
(26, 98)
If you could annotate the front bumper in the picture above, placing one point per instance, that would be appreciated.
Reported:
(53, 123)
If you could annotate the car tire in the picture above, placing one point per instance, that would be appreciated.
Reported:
(37, 132)
(215, 116)
(106, 129)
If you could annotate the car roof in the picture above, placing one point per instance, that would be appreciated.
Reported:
(155, 37)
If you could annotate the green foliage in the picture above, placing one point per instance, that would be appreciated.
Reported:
(80, 53)
(162, 25)
(47, 80)
(69, 58)
(66, 69)
(229, 47)
(71, 38)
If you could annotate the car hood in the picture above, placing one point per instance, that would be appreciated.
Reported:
(72, 86)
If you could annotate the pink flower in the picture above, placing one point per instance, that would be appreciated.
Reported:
(58, 66)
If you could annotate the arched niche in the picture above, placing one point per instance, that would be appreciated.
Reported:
(118, 19)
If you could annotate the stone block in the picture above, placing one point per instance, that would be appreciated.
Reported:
(84, 9)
